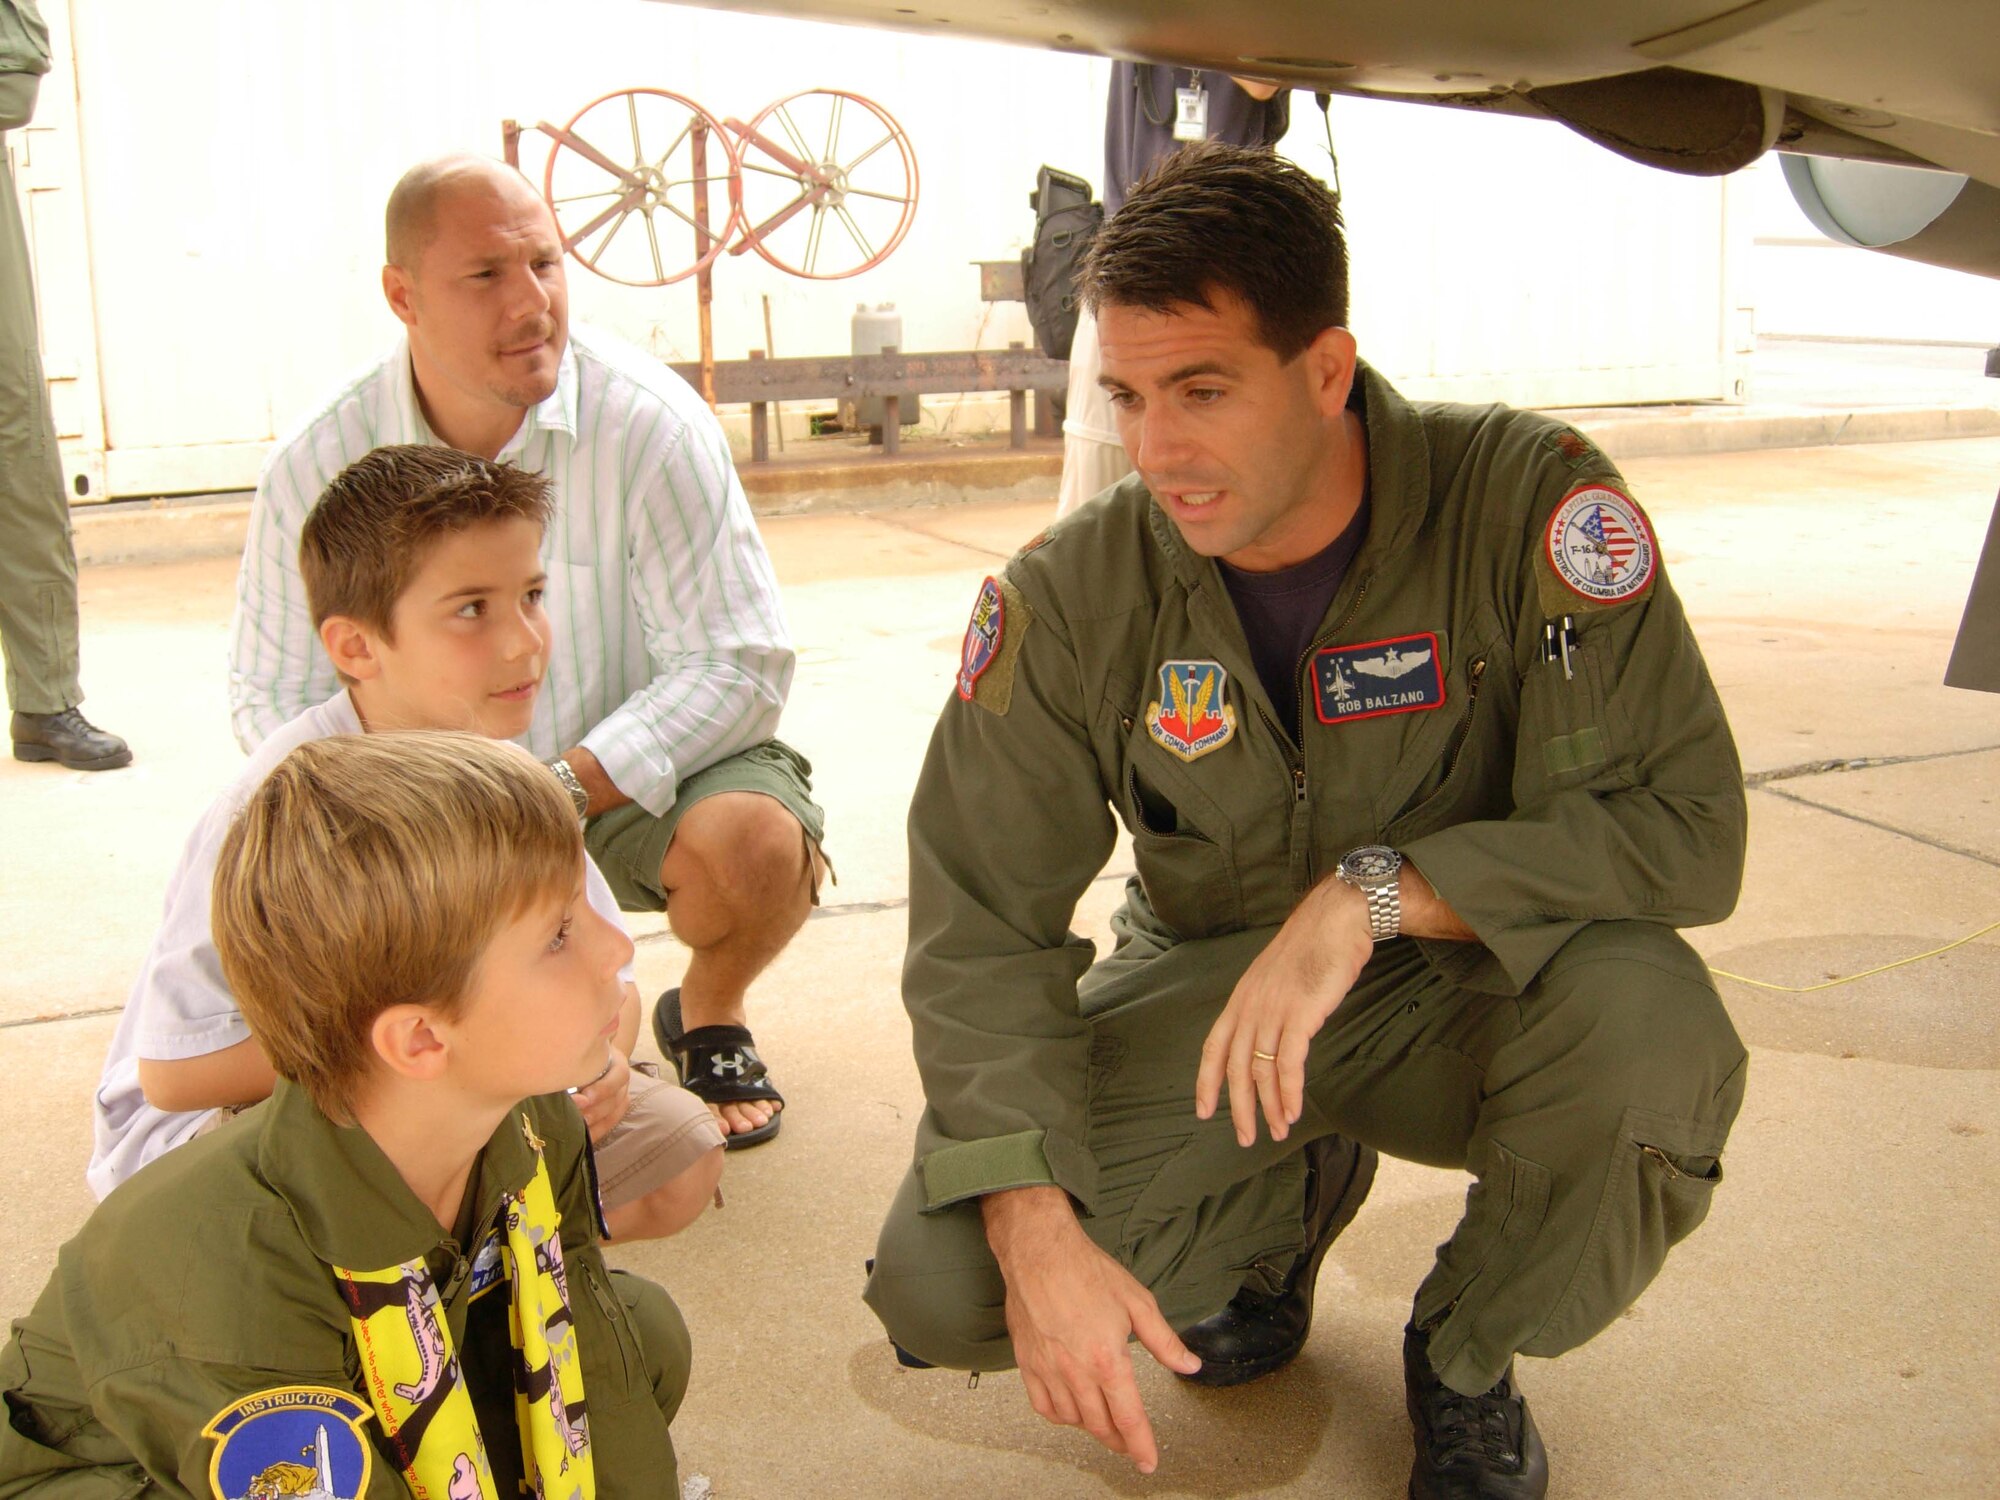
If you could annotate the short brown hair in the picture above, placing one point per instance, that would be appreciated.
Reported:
(379, 519)
(1238, 219)
(372, 870)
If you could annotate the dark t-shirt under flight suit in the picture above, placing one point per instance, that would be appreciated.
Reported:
(1505, 689)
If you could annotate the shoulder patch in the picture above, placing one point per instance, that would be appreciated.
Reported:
(290, 1440)
(1569, 445)
(1035, 543)
(1598, 550)
(992, 645)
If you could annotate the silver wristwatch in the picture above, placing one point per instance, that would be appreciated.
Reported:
(1373, 870)
(579, 798)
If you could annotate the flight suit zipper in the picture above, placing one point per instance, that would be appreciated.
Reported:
(1301, 835)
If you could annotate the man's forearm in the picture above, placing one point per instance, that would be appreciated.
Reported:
(1426, 914)
(602, 790)
(1019, 1220)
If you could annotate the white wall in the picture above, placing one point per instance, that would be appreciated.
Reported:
(236, 153)
(1807, 285)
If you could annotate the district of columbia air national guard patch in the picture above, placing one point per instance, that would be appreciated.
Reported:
(1599, 550)
(992, 645)
(291, 1442)
(1192, 715)
(1401, 675)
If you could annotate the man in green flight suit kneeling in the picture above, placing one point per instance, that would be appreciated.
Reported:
(1422, 769)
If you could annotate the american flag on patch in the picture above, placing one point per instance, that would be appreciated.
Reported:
(1604, 526)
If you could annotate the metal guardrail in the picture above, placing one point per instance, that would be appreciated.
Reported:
(891, 375)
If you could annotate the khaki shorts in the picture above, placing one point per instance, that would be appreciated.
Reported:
(665, 1131)
(629, 843)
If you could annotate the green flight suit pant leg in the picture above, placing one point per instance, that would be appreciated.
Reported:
(1591, 1110)
(668, 1353)
(38, 603)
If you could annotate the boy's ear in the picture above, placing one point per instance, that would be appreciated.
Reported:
(408, 1044)
(351, 647)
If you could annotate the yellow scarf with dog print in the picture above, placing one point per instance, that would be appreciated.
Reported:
(413, 1375)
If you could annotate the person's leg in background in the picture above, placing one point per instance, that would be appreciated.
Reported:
(38, 606)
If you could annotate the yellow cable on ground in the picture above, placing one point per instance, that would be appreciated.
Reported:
(1807, 989)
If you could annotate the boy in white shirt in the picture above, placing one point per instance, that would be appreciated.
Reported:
(423, 573)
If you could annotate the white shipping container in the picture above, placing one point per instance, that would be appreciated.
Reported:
(205, 185)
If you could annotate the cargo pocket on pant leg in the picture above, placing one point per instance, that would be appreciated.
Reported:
(1504, 1214)
(1664, 1172)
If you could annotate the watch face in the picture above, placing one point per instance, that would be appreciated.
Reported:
(1372, 863)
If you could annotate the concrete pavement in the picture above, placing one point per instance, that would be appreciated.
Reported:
(1826, 1333)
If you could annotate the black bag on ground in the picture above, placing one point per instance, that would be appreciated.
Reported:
(1066, 221)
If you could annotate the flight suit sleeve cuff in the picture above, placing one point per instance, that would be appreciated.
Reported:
(1031, 1158)
(1514, 943)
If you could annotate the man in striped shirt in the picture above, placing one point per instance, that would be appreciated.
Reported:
(671, 657)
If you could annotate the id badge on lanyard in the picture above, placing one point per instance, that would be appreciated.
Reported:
(1191, 111)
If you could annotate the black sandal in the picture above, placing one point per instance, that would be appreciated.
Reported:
(718, 1065)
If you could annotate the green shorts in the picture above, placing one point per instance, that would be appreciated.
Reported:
(629, 843)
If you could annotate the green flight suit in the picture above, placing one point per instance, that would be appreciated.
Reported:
(38, 606)
(205, 1280)
(1576, 1059)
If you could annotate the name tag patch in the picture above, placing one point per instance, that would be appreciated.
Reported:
(1397, 676)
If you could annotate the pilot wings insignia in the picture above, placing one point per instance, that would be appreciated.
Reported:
(1391, 663)
(1191, 716)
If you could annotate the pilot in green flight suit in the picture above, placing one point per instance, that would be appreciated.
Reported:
(1422, 769)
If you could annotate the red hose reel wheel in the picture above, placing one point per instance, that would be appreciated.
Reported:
(826, 184)
(642, 184)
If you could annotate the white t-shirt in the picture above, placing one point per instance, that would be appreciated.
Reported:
(180, 1006)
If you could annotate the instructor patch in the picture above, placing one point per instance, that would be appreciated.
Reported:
(1192, 715)
(1397, 676)
(1599, 545)
(992, 645)
(292, 1440)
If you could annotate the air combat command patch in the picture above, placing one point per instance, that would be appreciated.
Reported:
(292, 1442)
(1599, 546)
(1192, 715)
(1398, 676)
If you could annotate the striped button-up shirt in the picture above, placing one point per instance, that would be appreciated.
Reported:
(670, 650)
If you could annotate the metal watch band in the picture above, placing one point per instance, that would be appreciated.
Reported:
(579, 798)
(1385, 910)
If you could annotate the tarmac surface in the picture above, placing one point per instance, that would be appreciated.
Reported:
(1828, 1332)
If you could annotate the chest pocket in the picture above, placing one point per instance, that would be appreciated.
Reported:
(1183, 844)
(1463, 767)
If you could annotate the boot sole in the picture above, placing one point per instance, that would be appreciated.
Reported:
(1243, 1371)
(39, 753)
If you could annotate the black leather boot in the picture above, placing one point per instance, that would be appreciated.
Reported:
(1469, 1447)
(70, 738)
(1260, 1331)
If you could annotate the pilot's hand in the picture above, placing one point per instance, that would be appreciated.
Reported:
(1259, 1042)
(1071, 1310)
(605, 1102)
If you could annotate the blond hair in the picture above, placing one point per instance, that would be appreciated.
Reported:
(373, 526)
(372, 870)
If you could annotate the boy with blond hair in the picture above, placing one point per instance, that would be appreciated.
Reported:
(423, 573)
(387, 1281)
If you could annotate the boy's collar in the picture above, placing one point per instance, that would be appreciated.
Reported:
(352, 1206)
